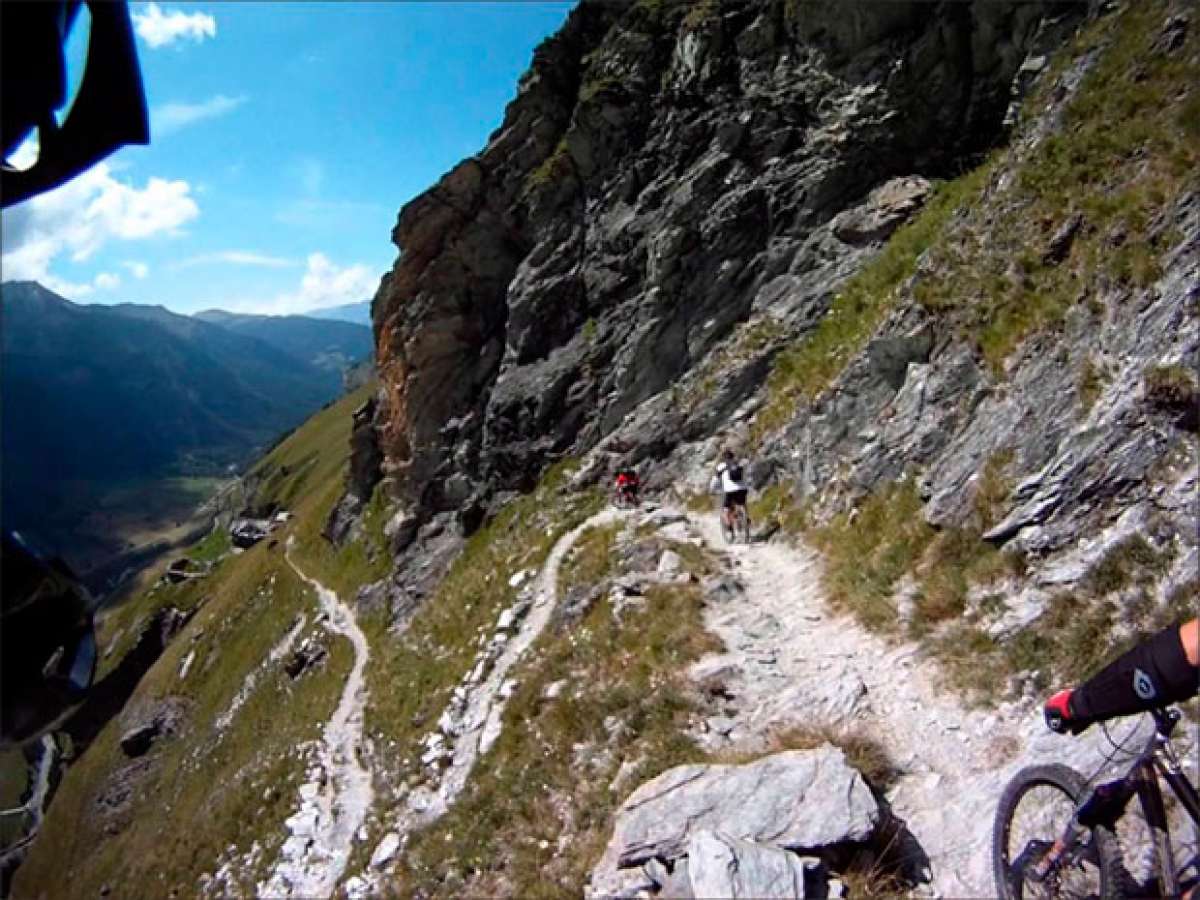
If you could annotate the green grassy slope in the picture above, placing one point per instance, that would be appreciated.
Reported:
(207, 790)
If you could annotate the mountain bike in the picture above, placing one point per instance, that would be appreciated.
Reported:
(740, 528)
(1055, 837)
(624, 498)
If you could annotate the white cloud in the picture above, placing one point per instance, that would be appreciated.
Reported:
(323, 284)
(173, 116)
(139, 270)
(160, 29)
(73, 290)
(83, 215)
(238, 258)
(69, 289)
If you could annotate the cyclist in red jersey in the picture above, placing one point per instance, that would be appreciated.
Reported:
(627, 486)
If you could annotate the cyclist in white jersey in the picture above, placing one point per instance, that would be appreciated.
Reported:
(729, 480)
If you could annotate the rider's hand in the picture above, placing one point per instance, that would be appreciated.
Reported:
(1059, 718)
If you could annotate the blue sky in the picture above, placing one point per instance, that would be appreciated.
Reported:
(285, 137)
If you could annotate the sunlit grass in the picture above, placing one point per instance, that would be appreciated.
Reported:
(206, 791)
(549, 776)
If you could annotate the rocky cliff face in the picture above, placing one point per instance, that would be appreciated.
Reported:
(665, 173)
(674, 240)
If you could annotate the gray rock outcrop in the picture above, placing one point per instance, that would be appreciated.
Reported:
(724, 866)
(147, 725)
(363, 475)
(798, 800)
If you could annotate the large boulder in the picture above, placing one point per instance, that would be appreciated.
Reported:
(724, 866)
(800, 800)
(885, 209)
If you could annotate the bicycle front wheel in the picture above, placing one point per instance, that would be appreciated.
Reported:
(1034, 811)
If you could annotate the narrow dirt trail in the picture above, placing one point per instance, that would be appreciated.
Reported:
(790, 661)
(338, 792)
(33, 810)
(481, 717)
(478, 721)
(473, 723)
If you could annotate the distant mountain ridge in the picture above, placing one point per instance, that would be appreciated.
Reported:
(330, 344)
(99, 395)
(358, 313)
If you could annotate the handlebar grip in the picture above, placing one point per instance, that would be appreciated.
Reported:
(1057, 712)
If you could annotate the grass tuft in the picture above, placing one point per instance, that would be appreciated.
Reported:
(863, 752)
(805, 369)
(1172, 387)
(867, 552)
(591, 559)
(1126, 560)
(1080, 630)
(779, 503)
(1090, 384)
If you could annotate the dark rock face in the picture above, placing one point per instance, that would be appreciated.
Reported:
(108, 697)
(365, 461)
(137, 741)
(310, 654)
(664, 173)
(163, 719)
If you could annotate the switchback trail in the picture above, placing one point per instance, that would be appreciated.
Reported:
(472, 723)
(338, 791)
(479, 721)
(790, 661)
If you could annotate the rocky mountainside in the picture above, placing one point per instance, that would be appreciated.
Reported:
(667, 172)
(932, 267)
(685, 232)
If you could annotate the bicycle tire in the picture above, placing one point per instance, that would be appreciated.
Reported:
(727, 530)
(1104, 852)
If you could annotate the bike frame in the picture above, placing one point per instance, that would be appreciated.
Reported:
(1157, 758)
(734, 516)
